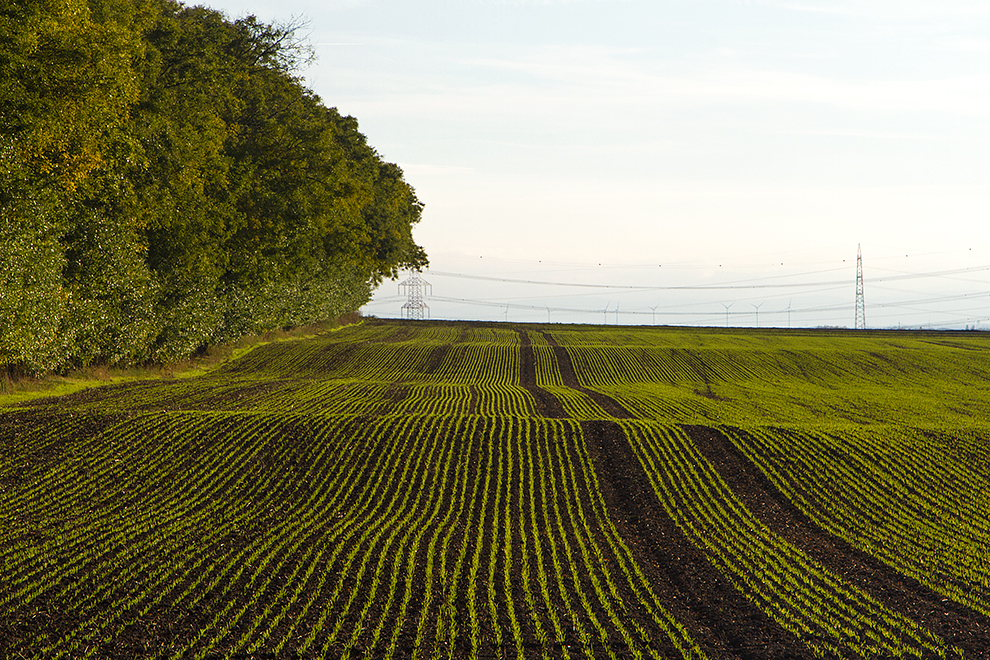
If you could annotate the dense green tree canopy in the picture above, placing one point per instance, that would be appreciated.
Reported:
(167, 181)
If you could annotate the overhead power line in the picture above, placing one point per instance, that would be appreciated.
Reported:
(649, 311)
(712, 287)
(625, 312)
(552, 308)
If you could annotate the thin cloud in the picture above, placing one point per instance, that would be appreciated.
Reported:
(870, 135)
(970, 45)
(432, 169)
(544, 3)
(889, 10)
(574, 80)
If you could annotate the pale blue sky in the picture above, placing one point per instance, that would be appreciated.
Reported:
(724, 140)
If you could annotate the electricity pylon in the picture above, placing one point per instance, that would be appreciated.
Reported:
(860, 301)
(415, 308)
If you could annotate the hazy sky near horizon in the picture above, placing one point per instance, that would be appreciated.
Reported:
(676, 143)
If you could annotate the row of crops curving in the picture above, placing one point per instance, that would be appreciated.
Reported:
(454, 490)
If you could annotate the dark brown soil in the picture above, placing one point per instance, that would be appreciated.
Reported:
(721, 619)
(437, 356)
(955, 623)
(547, 404)
(718, 616)
(567, 375)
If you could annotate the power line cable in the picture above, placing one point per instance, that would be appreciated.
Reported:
(712, 287)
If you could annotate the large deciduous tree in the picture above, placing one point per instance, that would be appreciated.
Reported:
(166, 181)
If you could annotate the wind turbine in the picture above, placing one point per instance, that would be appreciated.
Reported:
(757, 313)
(654, 310)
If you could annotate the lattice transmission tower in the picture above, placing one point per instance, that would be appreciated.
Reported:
(860, 301)
(413, 288)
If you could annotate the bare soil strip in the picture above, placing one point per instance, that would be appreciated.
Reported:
(721, 619)
(473, 400)
(547, 404)
(437, 356)
(955, 623)
(569, 377)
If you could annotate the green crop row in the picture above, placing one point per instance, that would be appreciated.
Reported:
(331, 536)
(419, 354)
(830, 615)
(364, 368)
(702, 376)
(917, 501)
(673, 356)
(546, 367)
(391, 489)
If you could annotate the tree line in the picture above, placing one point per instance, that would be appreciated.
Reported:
(168, 182)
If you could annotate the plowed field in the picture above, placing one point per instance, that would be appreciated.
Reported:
(456, 490)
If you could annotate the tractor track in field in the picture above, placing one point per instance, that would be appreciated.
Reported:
(501, 518)
(953, 622)
(721, 619)
(547, 405)
(569, 377)
(436, 359)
